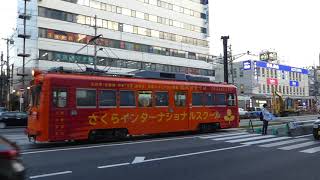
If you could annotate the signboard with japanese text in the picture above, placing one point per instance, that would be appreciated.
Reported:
(272, 81)
(246, 65)
(281, 67)
(294, 83)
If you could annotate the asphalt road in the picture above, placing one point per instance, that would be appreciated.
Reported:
(221, 156)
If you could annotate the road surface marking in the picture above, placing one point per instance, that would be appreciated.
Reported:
(51, 174)
(266, 140)
(296, 146)
(106, 145)
(113, 165)
(138, 160)
(304, 136)
(283, 142)
(311, 150)
(195, 153)
(250, 139)
(221, 135)
(235, 137)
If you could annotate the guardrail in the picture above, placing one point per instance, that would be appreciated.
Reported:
(292, 126)
(300, 127)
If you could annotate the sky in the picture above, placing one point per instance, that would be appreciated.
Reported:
(289, 27)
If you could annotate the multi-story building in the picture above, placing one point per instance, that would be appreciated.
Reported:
(161, 35)
(257, 80)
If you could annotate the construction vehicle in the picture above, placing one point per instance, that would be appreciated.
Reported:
(283, 107)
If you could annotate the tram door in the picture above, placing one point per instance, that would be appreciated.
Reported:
(59, 114)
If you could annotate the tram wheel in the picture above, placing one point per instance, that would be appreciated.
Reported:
(92, 136)
(120, 133)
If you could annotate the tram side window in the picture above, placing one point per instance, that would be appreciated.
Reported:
(197, 99)
(145, 98)
(162, 99)
(220, 99)
(86, 98)
(107, 98)
(231, 100)
(209, 99)
(180, 99)
(59, 98)
(127, 98)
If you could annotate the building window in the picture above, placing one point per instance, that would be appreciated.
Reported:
(260, 89)
(258, 71)
(86, 97)
(241, 73)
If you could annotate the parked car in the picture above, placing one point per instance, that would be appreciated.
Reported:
(254, 112)
(243, 113)
(12, 118)
(2, 110)
(11, 166)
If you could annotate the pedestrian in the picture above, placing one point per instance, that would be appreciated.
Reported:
(266, 118)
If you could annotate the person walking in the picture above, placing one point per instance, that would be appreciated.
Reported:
(266, 118)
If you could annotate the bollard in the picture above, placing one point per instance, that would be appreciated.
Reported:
(259, 130)
(274, 131)
(251, 125)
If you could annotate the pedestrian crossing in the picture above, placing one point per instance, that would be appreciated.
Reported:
(302, 144)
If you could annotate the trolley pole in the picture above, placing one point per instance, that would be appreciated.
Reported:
(225, 58)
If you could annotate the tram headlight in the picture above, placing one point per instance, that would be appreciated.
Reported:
(35, 72)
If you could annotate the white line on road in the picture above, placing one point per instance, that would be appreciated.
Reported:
(266, 140)
(236, 137)
(296, 146)
(51, 174)
(142, 159)
(113, 165)
(195, 153)
(107, 145)
(304, 136)
(222, 135)
(138, 160)
(283, 142)
(311, 150)
(250, 139)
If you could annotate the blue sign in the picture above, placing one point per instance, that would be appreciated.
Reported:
(281, 67)
(294, 83)
(246, 65)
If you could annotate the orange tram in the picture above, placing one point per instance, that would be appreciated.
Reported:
(79, 106)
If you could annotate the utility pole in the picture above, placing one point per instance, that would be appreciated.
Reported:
(25, 36)
(1, 85)
(231, 63)
(225, 58)
(24, 57)
(8, 42)
(95, 44)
